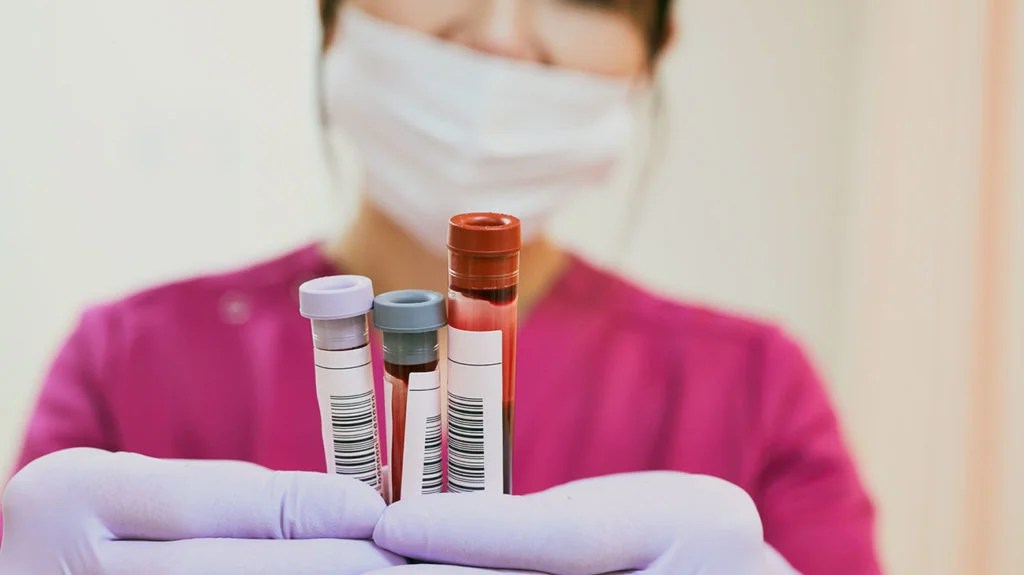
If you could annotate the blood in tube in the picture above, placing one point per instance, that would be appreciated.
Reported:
(482, 316)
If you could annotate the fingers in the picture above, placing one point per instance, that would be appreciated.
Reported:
(244, 557)
(496, 531)
(426, 569)
(594, 526)
(138, 497)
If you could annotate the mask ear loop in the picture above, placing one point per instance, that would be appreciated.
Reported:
(344, 178)
(640, 187)
(328, 149)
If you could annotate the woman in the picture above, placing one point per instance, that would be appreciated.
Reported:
(455, 105)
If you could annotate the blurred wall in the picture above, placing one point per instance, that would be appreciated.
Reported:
(1009, 553)
(144, 141)
(820, 168)
(151, 140)
(910, 274)
(930, 367)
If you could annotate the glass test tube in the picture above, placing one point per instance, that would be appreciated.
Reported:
(337, 307)
(409, 320)
(483, 280)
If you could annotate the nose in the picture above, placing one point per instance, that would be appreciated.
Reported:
(502, 28)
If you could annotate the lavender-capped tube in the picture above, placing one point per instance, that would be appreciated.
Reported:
(337, 307)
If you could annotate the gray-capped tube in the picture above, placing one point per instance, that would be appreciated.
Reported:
(409, 321)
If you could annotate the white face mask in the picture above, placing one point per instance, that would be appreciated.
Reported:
(442, 129)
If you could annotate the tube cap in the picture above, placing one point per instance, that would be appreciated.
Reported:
(484, 233)
(409, 311)
(335, 297)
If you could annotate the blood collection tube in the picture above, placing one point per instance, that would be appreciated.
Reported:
(483, 279)
(337, 307)
(409, 320)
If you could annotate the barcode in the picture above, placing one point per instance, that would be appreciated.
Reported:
(465, 443)
(432, 456)
(354, 431)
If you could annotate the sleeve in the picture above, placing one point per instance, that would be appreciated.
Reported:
(71, 409)
(815, 509)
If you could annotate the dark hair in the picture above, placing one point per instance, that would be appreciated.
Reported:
(660, 29)
(654, 17)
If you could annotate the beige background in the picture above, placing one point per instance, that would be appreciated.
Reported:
(823, 167)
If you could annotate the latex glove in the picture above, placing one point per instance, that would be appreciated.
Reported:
(85, 511)
(655, 522)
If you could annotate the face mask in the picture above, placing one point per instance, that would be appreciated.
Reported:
(442, 129)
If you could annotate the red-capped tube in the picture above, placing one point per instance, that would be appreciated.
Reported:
(483, 282)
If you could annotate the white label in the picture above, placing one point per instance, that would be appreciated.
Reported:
(475, 450)
(348, 414)
(421, 464)
(389, 393)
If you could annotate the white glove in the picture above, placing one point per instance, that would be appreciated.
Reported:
(662, 523)
(85, 511)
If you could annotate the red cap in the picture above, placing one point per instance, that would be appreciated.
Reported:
(484, 233)
(483, 250)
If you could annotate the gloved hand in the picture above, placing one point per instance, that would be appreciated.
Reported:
(85, 511)
(655, 522)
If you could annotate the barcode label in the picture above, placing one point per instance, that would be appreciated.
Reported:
(354, 435)
(348, 414)
(466, 471)
(421, 463)
(475, 440)
(432, 456)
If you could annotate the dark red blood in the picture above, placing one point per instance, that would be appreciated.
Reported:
(399, 402)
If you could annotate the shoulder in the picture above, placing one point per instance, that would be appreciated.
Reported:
(756, 362)
(269, 275)
(681, 324)
(174, 306)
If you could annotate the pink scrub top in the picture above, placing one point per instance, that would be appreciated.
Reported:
(611, 379)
